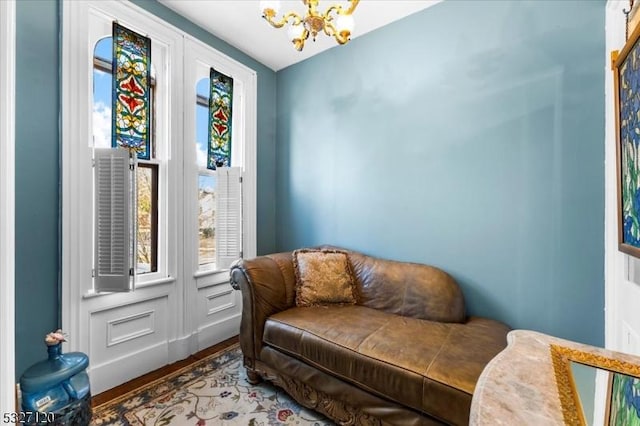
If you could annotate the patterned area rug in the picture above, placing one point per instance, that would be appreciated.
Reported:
(213, 391)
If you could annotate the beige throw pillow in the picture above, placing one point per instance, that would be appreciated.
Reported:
(323, 277)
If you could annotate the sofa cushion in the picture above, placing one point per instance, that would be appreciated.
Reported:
(323, 277)
(429, 366)
(407, 289)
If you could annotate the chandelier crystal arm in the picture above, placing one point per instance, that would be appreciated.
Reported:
(312, 6)
(330, 30)
(342, 37)
(340, 11)
(297, 19)
(352, 7)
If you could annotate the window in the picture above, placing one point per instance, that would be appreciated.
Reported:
(187, 301)
(178, 223)
(219, 192)
(147, 170)
(206, 182)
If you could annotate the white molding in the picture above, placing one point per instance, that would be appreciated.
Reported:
(183, 347)
(613, 259)
(149, 314)
(211, 272)
(116, 371)
(250, 194)
(224, 328)
(7, 204)
(213, 296)
(71, 247)
(212, 280)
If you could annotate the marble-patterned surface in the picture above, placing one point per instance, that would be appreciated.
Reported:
(518, 386)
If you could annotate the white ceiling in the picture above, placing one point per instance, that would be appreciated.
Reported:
(240, 23)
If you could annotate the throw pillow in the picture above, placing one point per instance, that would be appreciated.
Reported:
(323, 277)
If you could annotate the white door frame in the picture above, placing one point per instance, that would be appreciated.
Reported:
(7, 204)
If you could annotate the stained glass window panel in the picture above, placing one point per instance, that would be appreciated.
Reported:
(220, 110)
(131, 91)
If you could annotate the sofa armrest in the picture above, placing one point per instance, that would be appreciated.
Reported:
(267, 284)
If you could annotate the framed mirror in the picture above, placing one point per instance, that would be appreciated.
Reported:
(576, 374)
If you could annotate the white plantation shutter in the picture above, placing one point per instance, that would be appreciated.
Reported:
(113, 221)
(228, 218)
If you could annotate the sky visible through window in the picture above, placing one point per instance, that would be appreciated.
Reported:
(102, 97)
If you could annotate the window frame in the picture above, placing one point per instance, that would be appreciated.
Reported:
(7, 204)
(202, 170)
(83, 24)
(98, 29)
(199, 58)
(105, 66)
(176, 281)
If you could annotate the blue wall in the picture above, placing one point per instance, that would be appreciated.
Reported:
(37, 178)
(38, 171)
(467, 136)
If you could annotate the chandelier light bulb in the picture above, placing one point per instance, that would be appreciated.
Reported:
(344, 26)
(345, 23)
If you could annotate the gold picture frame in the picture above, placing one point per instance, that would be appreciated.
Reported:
(561, 358)
(626, 82)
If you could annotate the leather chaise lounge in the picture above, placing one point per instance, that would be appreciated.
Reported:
(404, 354)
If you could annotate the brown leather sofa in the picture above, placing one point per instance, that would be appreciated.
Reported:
(406, 354)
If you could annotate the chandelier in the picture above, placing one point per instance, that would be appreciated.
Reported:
(336, 21)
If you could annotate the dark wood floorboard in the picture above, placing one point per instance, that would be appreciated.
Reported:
(159, 373)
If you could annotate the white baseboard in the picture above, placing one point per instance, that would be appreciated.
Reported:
(182, 347)
(218, 331)
(115, 372)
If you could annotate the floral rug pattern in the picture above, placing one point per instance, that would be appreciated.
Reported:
(213, 391)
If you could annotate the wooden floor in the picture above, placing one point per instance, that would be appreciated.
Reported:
(157, 374)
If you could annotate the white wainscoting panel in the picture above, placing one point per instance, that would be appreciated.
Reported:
(220, 301)
(219, 311)
(131, 337)
(130, 327)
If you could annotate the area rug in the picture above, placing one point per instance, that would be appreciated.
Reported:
(213, 391)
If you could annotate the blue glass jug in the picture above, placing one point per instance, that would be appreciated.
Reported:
(57, 385)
